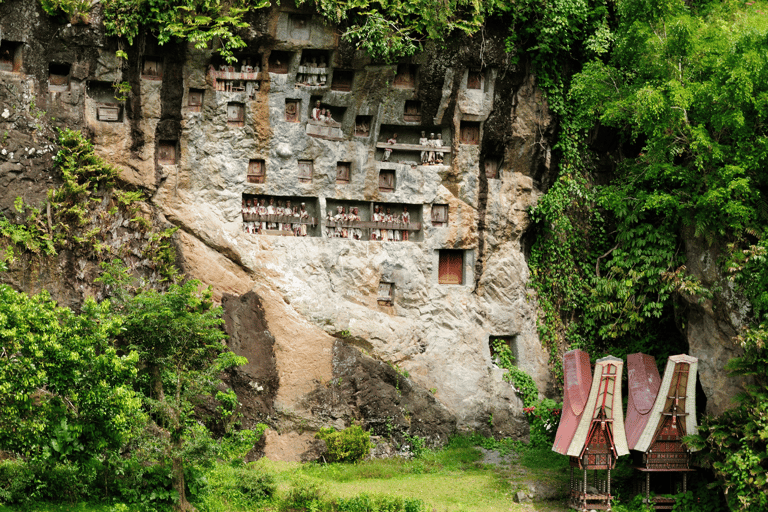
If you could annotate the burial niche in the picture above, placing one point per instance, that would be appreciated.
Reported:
(386, 293)
(299, 27)
(412, 111)
(10, 56)
(406, 76)
(58, 76)
(450, 266)
(313, 68)
(343, 171)
(292, 109)
(439, 215)
(279, 62)
(167, 152)
(195, 100)
(106, 107)
(152, 68)
(256, 171)
(306, 170)
(470, 132)
(235, 114)
(280, 215)
(363, 126)
(342, 80)
(387, 180)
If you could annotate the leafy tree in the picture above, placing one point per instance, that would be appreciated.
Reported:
(198, 21)
(178, 339)
(65, 392)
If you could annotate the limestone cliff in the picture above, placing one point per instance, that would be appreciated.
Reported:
(318, 314)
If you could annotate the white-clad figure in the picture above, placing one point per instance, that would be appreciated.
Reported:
(424, 141)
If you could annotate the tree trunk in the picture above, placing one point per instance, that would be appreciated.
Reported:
(182, 504)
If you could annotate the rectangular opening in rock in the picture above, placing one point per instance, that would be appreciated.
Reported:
(470, 132)
(450, 269)
(10, 56)
(166, 152)
(363, 126)
(281, 215)
(279, 62)
(299, 27)
(292, 108)
(386, 180)
(152, 68)
(409, 148)
(492, 167)
(386, 293)
(412, 111)
(58, 76)
(406, 76)
(342, 80)
(102, 102)
(509, 341)
(343, 171)
(256, 171)
(439, 215)
(331, 115)
(385, 222)
(313, 68)
(235, 114)
(306, 170)
(195, 100)
(474, 79)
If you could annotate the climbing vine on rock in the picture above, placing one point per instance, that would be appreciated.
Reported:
(85, 213)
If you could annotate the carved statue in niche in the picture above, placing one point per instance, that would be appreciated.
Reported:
(376, 217)
(389, 219)
(262, 213)
(271, 211)
(253, 212)
(338, 218)
(244, 211)
(303, 217)
(280, 212)
(388, 151)
(362, 129)
(358, 231)
(438, 144)
(406, 219)
(431, 153)
(398, 233)
(316, 111)
(424, 141)
(329, 231)
(287, 212)
(312, 72)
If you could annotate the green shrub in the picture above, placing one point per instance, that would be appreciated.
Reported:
(366, 503)
(16, 478)
(306, 495)
(349, 445)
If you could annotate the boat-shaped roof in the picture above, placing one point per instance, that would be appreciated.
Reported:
(577, 376)
(644, 381)
(604, 406)
(678, 388)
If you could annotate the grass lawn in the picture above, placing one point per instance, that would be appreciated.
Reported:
(454, 479)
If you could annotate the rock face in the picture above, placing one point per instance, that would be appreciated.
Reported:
(330, 324)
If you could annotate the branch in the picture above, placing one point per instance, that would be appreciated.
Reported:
(597, 263)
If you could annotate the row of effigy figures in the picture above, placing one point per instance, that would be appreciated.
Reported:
(384, 226)
(260, 218)
(312, 72)
(431, 157)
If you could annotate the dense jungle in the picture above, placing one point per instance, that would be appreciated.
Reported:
(129, 384)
